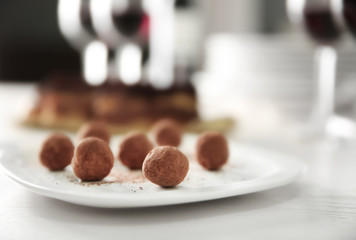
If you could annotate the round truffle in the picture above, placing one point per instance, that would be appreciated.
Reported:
(56, 152)
(94, 129)
(93, 159)
(133, 150)
(167, 132)
(212, 150)
(165, 166)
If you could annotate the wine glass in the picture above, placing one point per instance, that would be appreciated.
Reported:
(128, 18)
(120, 24)
(161, 63)
(76, 25)
(320, 22)
(133, 28)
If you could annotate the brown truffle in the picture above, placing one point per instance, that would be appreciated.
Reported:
(56, 152)
(93, 159)
(166, 166)
(212, 150)
(167, 132)
(94, 129)
(133, 150)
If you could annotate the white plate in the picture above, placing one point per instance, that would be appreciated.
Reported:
(250, 169)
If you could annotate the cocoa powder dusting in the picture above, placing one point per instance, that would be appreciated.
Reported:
(115, 176)
(127, 177)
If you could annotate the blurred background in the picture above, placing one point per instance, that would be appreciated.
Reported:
(248, 60)
(32, 45)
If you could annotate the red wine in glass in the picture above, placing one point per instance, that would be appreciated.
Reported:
(133, 22)
(349, 12)
(321, 25)
(128, 22)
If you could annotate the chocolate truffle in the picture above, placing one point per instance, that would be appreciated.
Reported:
(212, 150)
(94, 129)
(93, 159)
(167, 132)
(133, 150)
(56, 152)
(165, 166)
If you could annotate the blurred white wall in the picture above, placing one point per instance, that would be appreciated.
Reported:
(230, 15)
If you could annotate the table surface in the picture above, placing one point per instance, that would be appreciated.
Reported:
(320, 205)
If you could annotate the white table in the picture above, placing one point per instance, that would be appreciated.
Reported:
(321, 205)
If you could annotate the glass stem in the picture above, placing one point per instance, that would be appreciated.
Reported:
(326, 59)
(94, 60)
